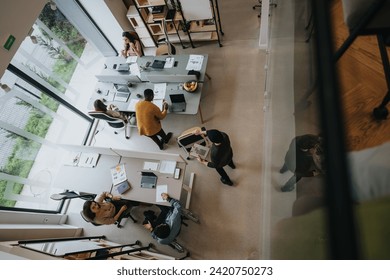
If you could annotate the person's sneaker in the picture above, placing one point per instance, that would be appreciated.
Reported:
(287, 188)
(226, 182)
(169, 136)
(283, 169)
(177, 247)
(161, 146)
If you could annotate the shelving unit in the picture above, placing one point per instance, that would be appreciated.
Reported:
(147, 17)
(202, 20)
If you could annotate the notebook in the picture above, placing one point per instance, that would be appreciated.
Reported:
(148, 180)
(158, 64)
(178, 103)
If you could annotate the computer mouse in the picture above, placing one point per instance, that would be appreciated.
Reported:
(139, 95)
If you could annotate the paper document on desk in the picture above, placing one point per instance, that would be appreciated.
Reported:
(152, 166)
(167, 167)
(131, 59)
(159, 90)
(82, 159)
(158, 103)
(134, 70)
(169, 62)
(159, 190)
(131, 107)
(195, 62)
(118, 174)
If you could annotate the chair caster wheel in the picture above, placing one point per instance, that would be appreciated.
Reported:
(380, 113)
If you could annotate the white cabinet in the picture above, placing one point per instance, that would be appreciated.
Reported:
(140, 27)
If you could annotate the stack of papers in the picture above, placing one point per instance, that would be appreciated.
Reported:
(81, 159)
(159, 90)
(159, 190)
(164, 166)
(169, 62)
(118, 174)
(195, 62)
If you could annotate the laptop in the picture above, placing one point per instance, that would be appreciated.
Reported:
(178, 103)
(122, 93)
(158, 64)
(148, 180)
(123, 67)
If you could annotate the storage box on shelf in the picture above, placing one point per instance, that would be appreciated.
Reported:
(153, 13)
(139, 26)
(202, 22)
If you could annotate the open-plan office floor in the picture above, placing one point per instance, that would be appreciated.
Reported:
(232, 218)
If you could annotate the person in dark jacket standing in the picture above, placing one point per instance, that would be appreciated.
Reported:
(221, 153)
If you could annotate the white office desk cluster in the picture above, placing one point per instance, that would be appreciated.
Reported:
(98, 179)
(142, 76)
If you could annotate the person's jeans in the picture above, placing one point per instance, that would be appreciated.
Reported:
(155, 138)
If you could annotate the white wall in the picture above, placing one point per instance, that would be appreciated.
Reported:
(16, 18)
(102, 12)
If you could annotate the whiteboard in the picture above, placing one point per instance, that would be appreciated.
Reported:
(196, 9)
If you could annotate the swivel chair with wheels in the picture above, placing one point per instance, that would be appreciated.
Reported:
(115, 123)
(364, 17)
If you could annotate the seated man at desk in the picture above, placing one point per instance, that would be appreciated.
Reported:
(107, 209)
(168, 223)
(149, 118)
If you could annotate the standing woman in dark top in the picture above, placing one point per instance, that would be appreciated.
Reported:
(221, 154)
(132, 45)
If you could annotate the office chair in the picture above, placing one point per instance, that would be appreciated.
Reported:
(165, 46)
(259, 6)
(115, 123)
(364, 17)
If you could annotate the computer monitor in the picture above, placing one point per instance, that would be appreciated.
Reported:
(164, 78)
(118, 79)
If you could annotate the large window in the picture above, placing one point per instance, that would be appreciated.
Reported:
(43, 100)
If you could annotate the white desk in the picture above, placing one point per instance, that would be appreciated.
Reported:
(179, 69)
(98, 179)
(192, 99)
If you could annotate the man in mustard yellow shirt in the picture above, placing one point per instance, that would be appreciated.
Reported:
(149, 118)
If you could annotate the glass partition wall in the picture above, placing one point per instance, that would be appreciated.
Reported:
(43, 97)
(337, 208)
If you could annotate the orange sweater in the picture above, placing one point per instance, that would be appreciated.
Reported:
(148, 117)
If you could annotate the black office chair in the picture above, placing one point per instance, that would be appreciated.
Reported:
(259, 6)
(115, 123)
(364, 17)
